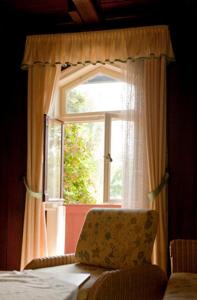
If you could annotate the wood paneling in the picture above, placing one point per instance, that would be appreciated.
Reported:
(13, 150)
(77, 15)
(40, 6)
(87, 11)
(181, 156)
(182, 133)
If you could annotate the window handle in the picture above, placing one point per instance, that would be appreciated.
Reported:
(108, 156)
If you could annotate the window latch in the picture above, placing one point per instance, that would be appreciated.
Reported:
(108, 156)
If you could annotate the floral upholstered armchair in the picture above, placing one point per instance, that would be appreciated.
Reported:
(115, 247)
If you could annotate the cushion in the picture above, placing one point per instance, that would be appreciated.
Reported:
(117, 238)
(65, 270)
(181, 286)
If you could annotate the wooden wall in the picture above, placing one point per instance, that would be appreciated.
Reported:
(13, 132)
(182, 157)
(182, 134)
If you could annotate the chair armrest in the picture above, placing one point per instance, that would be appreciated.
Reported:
(140, 282)
(183, 255)
(51, 261)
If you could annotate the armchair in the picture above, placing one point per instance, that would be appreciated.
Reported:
(115, 247)
(183, 255)
(183, 278)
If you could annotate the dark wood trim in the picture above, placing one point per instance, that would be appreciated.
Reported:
(87, 11)
(75, 16)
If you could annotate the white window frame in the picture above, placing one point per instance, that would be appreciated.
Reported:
(106, 118)
(74, 76)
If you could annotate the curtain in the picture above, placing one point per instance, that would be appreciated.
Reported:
(145, 50)
(41, 83)
(155, 116)
(135, 179)
(98, 46)
(145, 144)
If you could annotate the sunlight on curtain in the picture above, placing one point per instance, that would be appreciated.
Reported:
(144, 147)
(98, 46)
(41, 82)
(155, 116)
(135, 186)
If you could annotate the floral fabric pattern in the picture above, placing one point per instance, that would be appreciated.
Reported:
(117, 238)
(181, 286)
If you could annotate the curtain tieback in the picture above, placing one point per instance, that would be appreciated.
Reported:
(32, 193)
(152, 195)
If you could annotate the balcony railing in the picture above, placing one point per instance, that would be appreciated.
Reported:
(75, 216)
(64, 224)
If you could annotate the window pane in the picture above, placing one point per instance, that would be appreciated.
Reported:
(83, 162)
(101, 93)
(116, 166)
(54, 159)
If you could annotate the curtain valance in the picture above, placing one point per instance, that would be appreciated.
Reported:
(98, 46)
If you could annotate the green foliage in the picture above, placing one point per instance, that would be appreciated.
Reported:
(116, 184)
(77, 102)
(79, 164)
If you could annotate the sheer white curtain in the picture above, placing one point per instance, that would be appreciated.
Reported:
(144, 152)
(135, 179)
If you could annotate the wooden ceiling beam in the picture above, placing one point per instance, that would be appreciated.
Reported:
(75, 16)
(87, 11)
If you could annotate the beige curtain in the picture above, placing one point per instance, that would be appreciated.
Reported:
(41, 83)
(147, 43)
(155, 122)
(98, 46)
(145, 144)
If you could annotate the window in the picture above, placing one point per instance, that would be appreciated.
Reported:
(84, 150)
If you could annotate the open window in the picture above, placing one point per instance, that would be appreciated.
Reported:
(83, 150)
(84, 159)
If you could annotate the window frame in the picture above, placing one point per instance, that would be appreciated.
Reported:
(106, 118)
(46, 197)
(70, 78)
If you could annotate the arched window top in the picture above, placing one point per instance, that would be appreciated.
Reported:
(95, 83)
(74, 75)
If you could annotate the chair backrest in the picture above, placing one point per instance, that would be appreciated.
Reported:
(117, 238)
(183, 255)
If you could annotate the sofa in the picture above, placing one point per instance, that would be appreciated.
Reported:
(182, 283)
